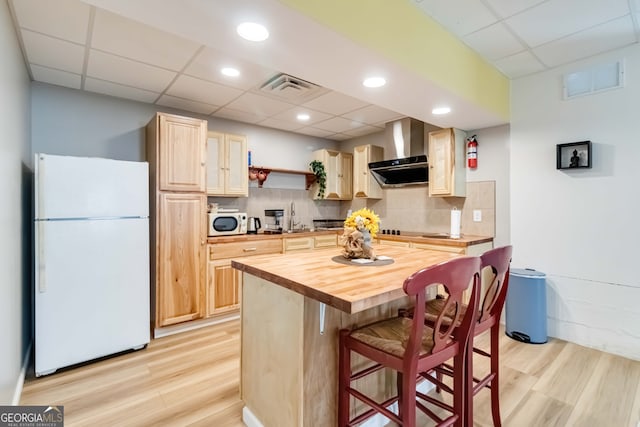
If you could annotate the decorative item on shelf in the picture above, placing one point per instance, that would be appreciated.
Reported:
(574, 155)
(321, 176)
(260, 174)
(359, 229)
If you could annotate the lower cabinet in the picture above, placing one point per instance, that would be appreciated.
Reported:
(291, 244)
(224, 283)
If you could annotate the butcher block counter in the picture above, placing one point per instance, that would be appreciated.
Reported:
(293, 306)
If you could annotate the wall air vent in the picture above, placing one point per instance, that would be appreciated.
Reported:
(290, 88)
(594, 79)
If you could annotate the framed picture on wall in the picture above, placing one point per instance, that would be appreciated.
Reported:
(574, 155)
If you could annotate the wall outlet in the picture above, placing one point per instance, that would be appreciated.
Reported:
(477, 215)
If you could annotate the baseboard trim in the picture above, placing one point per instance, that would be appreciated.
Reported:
(194, 324)
(249, 419)
(23, 374)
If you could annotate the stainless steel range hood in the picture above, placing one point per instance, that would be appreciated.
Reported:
(405, 152)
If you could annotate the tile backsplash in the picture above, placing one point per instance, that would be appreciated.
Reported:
(405, 209)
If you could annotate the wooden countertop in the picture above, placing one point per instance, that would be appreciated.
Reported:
(463, 241)
(262, 236)
(348, 288)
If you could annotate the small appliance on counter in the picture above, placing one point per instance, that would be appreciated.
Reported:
(328, 224)
(253, 225)
(273, 221)
(224, 223)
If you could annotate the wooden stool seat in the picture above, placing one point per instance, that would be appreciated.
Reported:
(392, 336)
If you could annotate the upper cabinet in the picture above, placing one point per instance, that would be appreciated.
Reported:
(364, 185)
(339, 168)
(227, 165)
(447, 173)
(181, 152)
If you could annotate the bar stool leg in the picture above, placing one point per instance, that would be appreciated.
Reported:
(344, 376)
(495, 382)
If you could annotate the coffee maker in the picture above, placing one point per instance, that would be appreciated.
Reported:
(273, 221)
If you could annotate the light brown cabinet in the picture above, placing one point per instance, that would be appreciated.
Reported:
(447, 173)
(176, 151)
(339, 169)
(227, 165)
(180, 272)
(309, 243)
(364, 185)
(224, 283)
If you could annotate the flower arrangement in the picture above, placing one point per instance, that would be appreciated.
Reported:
(364, 219)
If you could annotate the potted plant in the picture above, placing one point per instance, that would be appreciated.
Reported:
(317, 167)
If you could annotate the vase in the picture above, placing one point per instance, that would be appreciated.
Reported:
(366, 236)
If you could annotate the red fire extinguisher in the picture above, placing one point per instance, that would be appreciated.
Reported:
(472, 152)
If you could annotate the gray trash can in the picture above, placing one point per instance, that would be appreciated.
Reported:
(526, 306)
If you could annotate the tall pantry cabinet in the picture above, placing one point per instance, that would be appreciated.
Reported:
(176, 151)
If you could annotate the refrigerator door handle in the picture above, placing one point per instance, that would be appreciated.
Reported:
(42, 283)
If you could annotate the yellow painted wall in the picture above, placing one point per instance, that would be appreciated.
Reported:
(401, 32)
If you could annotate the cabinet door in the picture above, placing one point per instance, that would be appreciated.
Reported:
(345, 176)
(215, 163)
(236, 171)
(182, 153)
(223, 287)
(440, 162)
(181, 259)
(365, 185)
(447, 173)
(332, 166)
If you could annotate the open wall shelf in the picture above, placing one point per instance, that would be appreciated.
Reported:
(574, 155)
(261, 173)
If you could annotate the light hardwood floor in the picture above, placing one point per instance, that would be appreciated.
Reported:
(192, 379)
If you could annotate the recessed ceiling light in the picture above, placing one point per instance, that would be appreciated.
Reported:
(253, 31)
(231, 72)
(441, 110)
(303, 117)
(374, 82)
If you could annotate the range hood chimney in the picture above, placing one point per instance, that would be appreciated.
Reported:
(405, 155)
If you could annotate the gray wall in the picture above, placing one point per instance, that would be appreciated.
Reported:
(72, 122)
(15, 210)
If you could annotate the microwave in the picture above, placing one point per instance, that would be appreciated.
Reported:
(225, 224)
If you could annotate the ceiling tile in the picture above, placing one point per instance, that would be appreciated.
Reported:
(56, 77)
(186, 105)
(576, 15)
(65, 19)
(372, 115)
(314, 116)
(130, 39)
(362, 130)
(240, 116)
(53, 53)
(339, 137)
(113, 89)
(208, 63)
(335, 103)
(494, 42)
(203, 91)
(321, 133)
(337, 124)
(520, 64)
(506, 8)
(279, 124)
(461, 17)
(259, 105)
(611, 35)
(116, 69)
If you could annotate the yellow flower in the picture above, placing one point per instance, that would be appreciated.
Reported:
(369, 219)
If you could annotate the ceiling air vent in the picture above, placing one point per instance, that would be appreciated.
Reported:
(290, 88)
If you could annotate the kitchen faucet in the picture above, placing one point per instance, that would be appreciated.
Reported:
(292, 223)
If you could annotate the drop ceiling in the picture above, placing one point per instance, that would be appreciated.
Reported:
(118, 48)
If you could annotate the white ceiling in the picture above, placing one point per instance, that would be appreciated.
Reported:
(116, 47)
(522, 37)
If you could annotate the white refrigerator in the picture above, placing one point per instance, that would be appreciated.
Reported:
(91, 259)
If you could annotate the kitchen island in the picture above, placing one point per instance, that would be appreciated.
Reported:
(293, 306)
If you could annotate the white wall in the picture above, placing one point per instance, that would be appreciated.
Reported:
(580, 227)
(15, 211)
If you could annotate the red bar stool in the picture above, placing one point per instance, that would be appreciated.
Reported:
(495, 282)
(410, 347)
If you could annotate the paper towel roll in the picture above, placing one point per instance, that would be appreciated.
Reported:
(455, 224)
